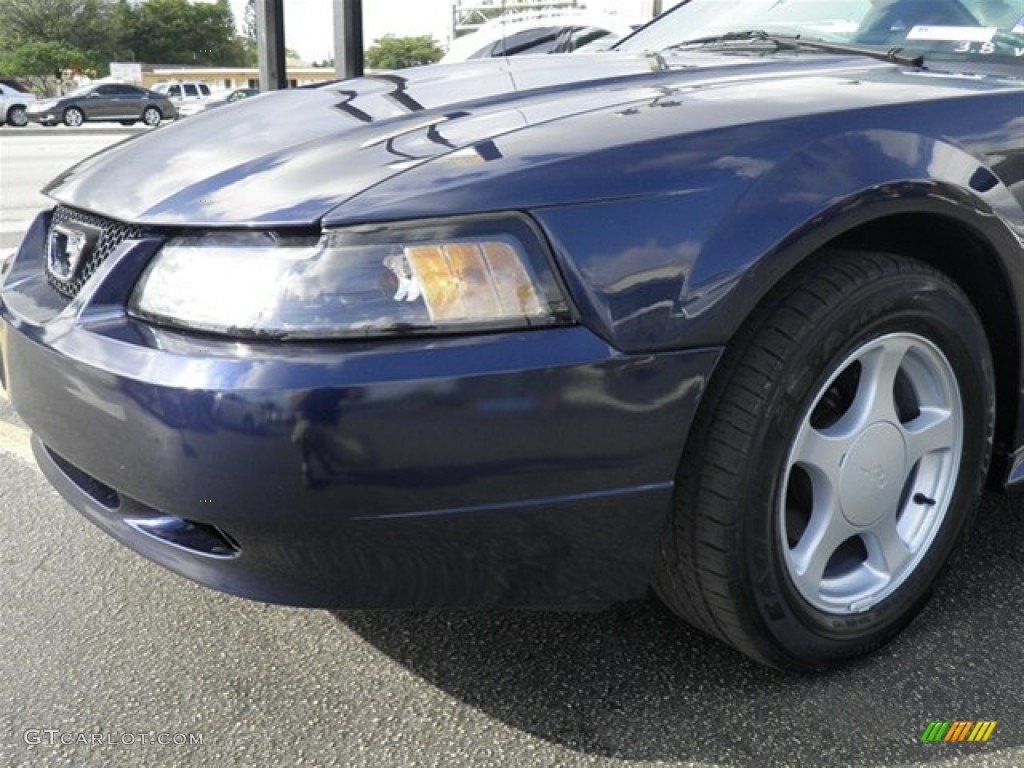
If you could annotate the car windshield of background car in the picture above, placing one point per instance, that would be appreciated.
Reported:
(973, 30)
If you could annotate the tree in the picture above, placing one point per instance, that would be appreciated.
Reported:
(250, 34)
(390, 52)
(178, 32)
(88, 26)
(41, 65)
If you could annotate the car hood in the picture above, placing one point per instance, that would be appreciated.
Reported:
(291, 158)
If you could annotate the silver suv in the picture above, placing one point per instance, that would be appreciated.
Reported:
(179, 91)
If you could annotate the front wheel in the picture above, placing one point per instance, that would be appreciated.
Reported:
(17, 117)
(73, 117)
(151, 116)
(835, 464)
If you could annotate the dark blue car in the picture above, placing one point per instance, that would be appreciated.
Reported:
(733, 312)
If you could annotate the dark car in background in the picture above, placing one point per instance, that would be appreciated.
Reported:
(733, 311)
(103, 102)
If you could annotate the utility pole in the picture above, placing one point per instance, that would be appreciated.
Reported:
(348, 38)
(270, 39)
(348, 41)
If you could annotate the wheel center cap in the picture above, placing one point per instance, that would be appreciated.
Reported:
(873, 473)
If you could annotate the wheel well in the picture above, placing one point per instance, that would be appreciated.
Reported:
(970, 261)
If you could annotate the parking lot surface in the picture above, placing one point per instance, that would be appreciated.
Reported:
(108, 660)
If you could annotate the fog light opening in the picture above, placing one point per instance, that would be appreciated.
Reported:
(198, 538)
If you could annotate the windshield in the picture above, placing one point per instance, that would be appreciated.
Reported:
(974, 30)
(82, 90)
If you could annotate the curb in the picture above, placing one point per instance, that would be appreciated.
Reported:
(62, 130)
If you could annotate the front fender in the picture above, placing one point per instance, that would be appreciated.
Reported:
(686, 270)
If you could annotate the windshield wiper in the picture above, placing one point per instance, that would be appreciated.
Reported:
(798, 43)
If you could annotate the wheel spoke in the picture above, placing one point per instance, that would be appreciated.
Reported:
(875, 400)
(887, 552)
(817, 450)
(933, 430)
(825, 532)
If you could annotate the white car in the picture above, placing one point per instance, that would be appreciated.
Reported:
(219, 99)
(539, 32)
(14, 100)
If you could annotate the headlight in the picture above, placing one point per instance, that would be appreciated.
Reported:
(452, 276)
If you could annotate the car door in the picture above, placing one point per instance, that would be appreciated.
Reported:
(115, 94)
(100, 103)
(131, 101)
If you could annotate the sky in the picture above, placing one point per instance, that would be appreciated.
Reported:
(308, 23)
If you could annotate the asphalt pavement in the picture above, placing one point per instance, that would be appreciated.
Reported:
(109, 660)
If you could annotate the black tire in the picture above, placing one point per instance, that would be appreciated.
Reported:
(152, 116)
(73, 117)
(729, 561)
(17, 117)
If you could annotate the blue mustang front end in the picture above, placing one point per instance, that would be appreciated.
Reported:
(519, 467)
(730, 313)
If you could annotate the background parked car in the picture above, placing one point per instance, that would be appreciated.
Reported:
(14, 100)
(181, 92)
(106, 102)
(194, 107)
(541, 32)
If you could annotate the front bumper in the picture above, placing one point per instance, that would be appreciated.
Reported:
(529, 468)
(47, 117)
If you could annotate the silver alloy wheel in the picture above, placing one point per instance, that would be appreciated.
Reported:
(871, 472)
(151, 116)
(73, 117)
(17, 117)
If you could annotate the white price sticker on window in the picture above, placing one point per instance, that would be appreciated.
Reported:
(953, 34)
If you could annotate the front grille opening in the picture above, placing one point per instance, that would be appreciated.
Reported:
(97, 491)
(112, 234)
